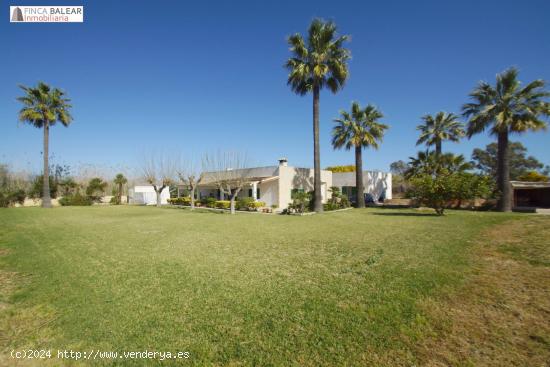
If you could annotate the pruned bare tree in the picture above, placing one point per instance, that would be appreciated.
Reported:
(228, 171)
(158, 171)
(190, 175)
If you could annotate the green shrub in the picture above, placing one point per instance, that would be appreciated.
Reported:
(439, 191)
(183, 200)
(115, 200)
(96, 189)
(244, 203)
(209, 202)
(345, 203)
(222, 204)
(35, 191)
(301, 202)
(4, 202)
(68, 187)
(76, 200)
(248, 204)
(9, 198)
(337, 200)
(257, 204)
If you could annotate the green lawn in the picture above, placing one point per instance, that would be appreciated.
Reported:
(334, 289)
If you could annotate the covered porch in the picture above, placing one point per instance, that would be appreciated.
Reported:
(262, 189)
(531, 194)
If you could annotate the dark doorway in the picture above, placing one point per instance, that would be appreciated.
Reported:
(535, 197)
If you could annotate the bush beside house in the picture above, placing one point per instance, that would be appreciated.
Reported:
(302, 202)
(245, 204)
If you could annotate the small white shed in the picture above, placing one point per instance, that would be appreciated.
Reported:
(146, 195)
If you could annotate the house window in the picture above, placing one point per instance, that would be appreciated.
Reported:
(250, 192)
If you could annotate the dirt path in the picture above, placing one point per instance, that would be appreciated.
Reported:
(501, 317)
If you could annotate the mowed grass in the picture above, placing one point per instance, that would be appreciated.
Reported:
(345, 288)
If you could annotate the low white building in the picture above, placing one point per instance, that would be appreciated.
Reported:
(274, 185)
(378, 186)
(145, 195)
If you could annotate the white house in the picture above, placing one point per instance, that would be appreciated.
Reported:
(274, 185)
(378, 186)
(146, 195)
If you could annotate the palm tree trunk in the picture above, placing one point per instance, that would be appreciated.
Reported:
(503, 173)
(46, 199)
(316, 153)
(359, 184)
(438, 148)
(120, 193)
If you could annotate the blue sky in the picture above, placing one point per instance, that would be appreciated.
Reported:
(193, 77)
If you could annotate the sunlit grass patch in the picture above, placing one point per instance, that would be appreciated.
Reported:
(332, 289)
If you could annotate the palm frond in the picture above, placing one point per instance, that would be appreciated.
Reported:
(320, 62)
(358, 128)
(42, 104)
(507, 107)
(441, 127)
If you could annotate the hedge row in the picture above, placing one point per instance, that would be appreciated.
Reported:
(241, 204)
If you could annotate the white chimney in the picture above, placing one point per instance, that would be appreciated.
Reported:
(283, 162)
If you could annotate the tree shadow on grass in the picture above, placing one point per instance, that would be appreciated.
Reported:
(408, 214)
(197, 210)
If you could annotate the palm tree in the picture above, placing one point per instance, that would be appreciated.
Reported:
(432, 164)
(358, 129)
(42, 108)
(318, 62)
(434, 130)
(506, 108)
(120, 180)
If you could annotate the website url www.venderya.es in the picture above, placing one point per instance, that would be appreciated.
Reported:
(96, 354)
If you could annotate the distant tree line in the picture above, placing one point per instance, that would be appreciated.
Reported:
(15, 187)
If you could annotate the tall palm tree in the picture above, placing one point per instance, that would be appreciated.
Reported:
(120, 180)
(319, 61)
(43, 106)
(436, 129)
(358, 129)
(506, 108)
